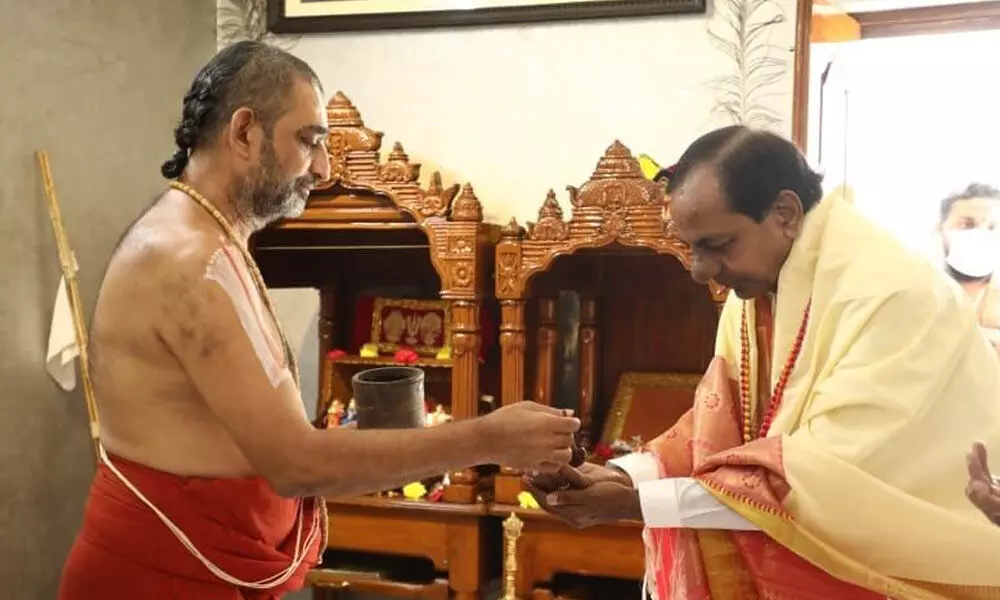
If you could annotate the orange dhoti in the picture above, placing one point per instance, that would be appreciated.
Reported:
(126, 552)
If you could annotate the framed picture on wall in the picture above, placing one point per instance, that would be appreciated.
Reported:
(321, 16)
(647, 404)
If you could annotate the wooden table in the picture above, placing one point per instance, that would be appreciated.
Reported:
(450, 535)
(548, 546)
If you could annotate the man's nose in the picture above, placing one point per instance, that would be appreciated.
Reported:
(702, 270)
(320, 166)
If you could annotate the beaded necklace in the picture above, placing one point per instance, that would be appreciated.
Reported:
(779, 390)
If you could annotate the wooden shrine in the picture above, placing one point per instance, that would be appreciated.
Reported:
(399, 268)
(598, 314)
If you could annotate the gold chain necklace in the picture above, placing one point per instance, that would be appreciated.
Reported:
(258, 279)
(320, 513)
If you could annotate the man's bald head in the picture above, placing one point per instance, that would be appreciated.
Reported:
(246, 74)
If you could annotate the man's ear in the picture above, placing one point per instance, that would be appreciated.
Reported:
(240, 131)
(789, 212)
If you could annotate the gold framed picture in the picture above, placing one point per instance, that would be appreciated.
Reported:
(320, 16)
(647, 404)
(423, 326)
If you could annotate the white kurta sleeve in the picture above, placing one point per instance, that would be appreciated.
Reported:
(676, 502)
(640, 466)
(682, 502)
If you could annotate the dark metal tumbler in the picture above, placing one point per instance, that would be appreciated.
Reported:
(389, 398)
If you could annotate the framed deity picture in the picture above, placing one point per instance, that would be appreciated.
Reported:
(423, 326)
(647, 404)
(320, 16)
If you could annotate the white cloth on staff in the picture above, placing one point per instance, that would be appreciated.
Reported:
(60, 360)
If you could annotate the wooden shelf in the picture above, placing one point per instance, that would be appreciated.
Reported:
(313, 222)
(388, 361)
(502, 510)
(481, 509)
(342, 581)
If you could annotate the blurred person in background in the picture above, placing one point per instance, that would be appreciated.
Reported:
(971, 246)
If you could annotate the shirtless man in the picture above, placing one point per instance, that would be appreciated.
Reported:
(208, 484)
(972, 250)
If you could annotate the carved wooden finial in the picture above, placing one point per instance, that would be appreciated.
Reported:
(617, 163)
(550, 208)
(398, 168)
(550, 225)
(467, 207)
(435, 186)
(436, 198)
(617, 149)
(341, 112)
(512, 230)
(398, 153)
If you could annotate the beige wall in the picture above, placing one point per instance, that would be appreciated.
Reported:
(98, 84)
(520, 109)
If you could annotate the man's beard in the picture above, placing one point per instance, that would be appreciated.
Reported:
(270, 196)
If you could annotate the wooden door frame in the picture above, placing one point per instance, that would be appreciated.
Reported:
(800, 81)
(953, 18)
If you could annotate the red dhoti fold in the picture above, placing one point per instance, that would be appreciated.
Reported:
(125, 552)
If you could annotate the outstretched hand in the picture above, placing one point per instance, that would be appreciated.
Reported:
(529, 436)
(585, 496)
(982, 490)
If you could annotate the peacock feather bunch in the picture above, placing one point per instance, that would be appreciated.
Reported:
(742, 31)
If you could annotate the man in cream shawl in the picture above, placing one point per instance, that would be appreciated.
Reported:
(824, 455)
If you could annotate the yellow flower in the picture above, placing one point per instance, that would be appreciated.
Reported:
(526, 500)
(414, 491)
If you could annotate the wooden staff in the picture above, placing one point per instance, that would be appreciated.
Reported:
(67, 260)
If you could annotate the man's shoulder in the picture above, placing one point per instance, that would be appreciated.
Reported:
(865, 261)
(166, 252)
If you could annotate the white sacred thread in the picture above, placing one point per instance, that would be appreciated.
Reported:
(222, 270)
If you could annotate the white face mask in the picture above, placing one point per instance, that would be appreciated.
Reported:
(972, 252)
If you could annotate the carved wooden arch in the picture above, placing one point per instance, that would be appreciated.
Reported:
(451, 217)
(618, 205)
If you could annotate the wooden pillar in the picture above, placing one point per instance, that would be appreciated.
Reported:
(465, 344)
(466, 557)
(512, 351)
(512, 347)
(588, 369)
(466, 340)
(327, 329)
(510, 290)
(547, 345)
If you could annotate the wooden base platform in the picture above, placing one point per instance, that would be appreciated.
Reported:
(450, 536)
